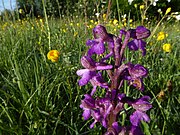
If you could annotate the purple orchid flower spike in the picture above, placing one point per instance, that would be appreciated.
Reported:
(105, 110)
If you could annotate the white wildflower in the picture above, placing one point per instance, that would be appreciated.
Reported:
(177, 17)
(130, 1)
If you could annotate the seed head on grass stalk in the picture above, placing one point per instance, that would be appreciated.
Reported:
(106, 110)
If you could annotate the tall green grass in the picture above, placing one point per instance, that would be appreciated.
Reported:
(41, 97)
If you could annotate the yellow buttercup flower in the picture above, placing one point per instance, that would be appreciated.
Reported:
(167, 47)
(168, 10)
(161, 35)
(53, 55)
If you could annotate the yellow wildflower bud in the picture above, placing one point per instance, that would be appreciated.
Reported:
(141, 7)
(135, 5)
(91, 21)
(64, 30)
(53, 55)
(41, 20)
(167, 47)
(104, 16)
(21, 11)
(168, 10)
(161, 36)
(90, 26)
(95, 23)
(115, 21)
(124, 20)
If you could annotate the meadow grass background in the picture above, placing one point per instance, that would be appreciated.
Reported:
(40, 97)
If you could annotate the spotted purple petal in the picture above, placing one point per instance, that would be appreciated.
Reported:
(142, 32)
(137, 70)
(87, 62)
(142, 104)
(100, 32)
(88, 102)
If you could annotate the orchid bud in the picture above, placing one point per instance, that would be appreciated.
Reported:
(87, 62)
(140, 32)
(100, 32)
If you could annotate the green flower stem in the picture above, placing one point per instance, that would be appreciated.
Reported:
(47, 24)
